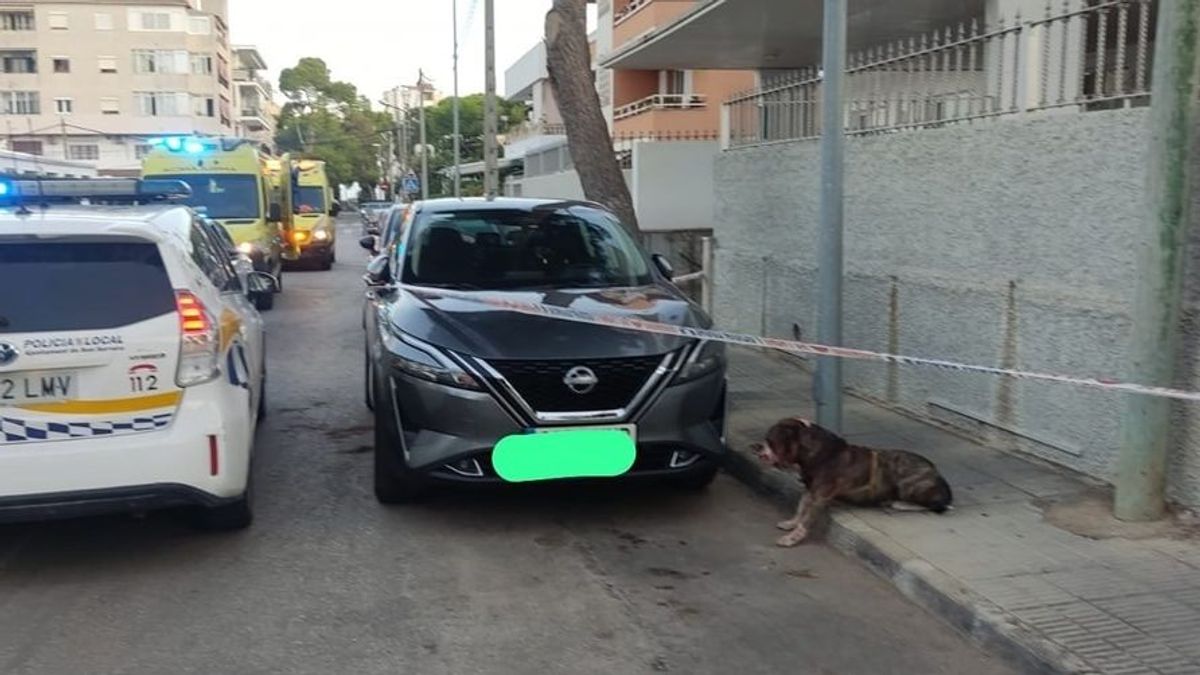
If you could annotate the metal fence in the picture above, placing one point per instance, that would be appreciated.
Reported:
(1092, 54)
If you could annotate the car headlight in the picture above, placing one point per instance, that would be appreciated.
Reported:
(425, 362)
(705, 359)
(321, 235)
(246, 247)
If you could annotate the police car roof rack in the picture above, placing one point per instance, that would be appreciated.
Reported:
(23, 193)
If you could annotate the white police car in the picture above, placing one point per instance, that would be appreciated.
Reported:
(132, 366)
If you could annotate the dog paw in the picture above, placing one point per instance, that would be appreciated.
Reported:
(792, 538)
(786, 525)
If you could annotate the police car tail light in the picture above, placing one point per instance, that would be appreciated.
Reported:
(199, 345)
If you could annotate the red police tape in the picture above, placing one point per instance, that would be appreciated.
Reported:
(792, 346)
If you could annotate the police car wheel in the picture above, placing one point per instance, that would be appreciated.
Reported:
(264, 301)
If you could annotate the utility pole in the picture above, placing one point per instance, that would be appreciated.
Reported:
(1141, 465)
(491, 177)
(424, 146)
(828, 384)
(457, 145)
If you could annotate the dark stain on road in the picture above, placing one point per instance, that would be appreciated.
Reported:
(668, 573)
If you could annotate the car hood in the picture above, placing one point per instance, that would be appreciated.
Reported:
(491, 333)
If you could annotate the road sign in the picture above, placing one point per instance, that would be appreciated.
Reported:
(412, 184)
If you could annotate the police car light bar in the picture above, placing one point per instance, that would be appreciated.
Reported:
(101, 189)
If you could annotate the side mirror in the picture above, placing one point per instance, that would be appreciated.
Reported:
(261, 282)
(663, 265)
(335, 209)
(370, 243)
(275, 212)
(379, 272)
(243, 266)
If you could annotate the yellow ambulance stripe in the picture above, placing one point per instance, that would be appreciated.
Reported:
(112, 405)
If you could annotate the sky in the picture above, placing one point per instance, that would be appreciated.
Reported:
(379, 44)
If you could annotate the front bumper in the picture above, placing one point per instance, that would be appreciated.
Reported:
(442, 426)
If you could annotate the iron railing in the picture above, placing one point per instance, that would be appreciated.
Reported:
(1091, 54)
(659, 102)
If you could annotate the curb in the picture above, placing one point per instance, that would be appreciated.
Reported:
(988, 626)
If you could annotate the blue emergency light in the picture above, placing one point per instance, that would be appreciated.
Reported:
(185, 144)
(5, 188)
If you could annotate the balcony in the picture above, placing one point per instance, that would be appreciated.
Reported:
(640, 17)
(660, 102)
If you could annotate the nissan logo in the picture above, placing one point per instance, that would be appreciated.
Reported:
(581, 380)
(9, 353)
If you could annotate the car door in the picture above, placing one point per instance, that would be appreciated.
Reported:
(242, 327)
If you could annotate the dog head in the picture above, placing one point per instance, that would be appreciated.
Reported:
(795, 441)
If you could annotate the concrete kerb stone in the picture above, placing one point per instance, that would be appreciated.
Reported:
(992, 628)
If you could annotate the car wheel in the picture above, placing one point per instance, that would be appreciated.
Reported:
(262, 399)
(264, 302)
(327, 263)
(395, 483)
(235, 515)
(368, 375)
(696, 480)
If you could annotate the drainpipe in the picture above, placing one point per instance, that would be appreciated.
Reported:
(1141, 466)
(827, 387)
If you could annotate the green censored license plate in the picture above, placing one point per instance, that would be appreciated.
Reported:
(566, 453)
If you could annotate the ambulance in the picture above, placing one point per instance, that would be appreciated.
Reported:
(231, 183)
(314, 211)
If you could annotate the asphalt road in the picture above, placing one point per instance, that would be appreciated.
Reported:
(615, 579)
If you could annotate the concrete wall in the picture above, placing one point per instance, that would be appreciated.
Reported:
(672, 184)
(1007, 243)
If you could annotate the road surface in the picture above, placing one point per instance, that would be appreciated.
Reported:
(616, 579)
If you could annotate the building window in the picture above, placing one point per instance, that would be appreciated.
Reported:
(16, 20)
(18, 62)
(62, 64)
(160, 61)
(58, 20)
(161, 103)
(202, 64)
(83, 152)
(141, 150)
(28, 147)
(674, 82)
(110, 106)
(104, 21)
(19, 103)
(204, 106)
(64, 106)
(199, 25)
(108, 64)
(148, 20)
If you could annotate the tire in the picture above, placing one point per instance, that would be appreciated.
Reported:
(261, 413)
(327, 263)
(368, 390)
(230, 517)
(696, 480)
(264, 302)
(395, 483)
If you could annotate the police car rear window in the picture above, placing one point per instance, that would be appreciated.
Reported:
(80, 285)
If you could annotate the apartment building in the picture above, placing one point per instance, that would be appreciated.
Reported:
(255, 109)
(93, 80)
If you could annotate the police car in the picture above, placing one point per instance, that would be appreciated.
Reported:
(132, 365)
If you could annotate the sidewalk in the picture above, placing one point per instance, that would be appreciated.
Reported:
(1002, 567)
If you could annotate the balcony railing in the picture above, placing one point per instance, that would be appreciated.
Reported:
(660, 102)
(629, 9)
(533, 129)
(1093, 56)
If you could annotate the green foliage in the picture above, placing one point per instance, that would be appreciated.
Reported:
(439, 120)
(327, 119)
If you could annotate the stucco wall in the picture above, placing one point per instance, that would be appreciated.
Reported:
(1009, 242)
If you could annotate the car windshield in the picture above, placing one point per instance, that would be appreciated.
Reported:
(571, 247)
(310, 199)
(222, 196)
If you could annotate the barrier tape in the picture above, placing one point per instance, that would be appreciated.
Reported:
(793, 346)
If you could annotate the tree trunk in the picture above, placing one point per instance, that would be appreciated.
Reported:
(569, 62)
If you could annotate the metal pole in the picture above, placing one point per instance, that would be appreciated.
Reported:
(491, 179)
(828, 384)
(424, 147)
(457, 144)
(1141, 465)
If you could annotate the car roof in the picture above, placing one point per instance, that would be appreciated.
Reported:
(158, 222)
(498, 203)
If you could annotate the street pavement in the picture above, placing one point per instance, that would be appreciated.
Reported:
(606, 579)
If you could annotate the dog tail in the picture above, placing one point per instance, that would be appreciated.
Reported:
(941, 497)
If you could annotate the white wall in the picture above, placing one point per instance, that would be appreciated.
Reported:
(672, 184)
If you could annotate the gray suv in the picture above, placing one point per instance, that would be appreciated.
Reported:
(448, 378)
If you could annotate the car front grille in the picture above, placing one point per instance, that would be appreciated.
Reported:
(541, 383)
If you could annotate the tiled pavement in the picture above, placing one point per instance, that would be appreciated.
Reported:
(1045, 597)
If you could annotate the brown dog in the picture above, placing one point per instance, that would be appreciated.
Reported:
(833, 469)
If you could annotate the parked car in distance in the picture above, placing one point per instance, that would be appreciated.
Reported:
(369, 212)
(449, 379)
